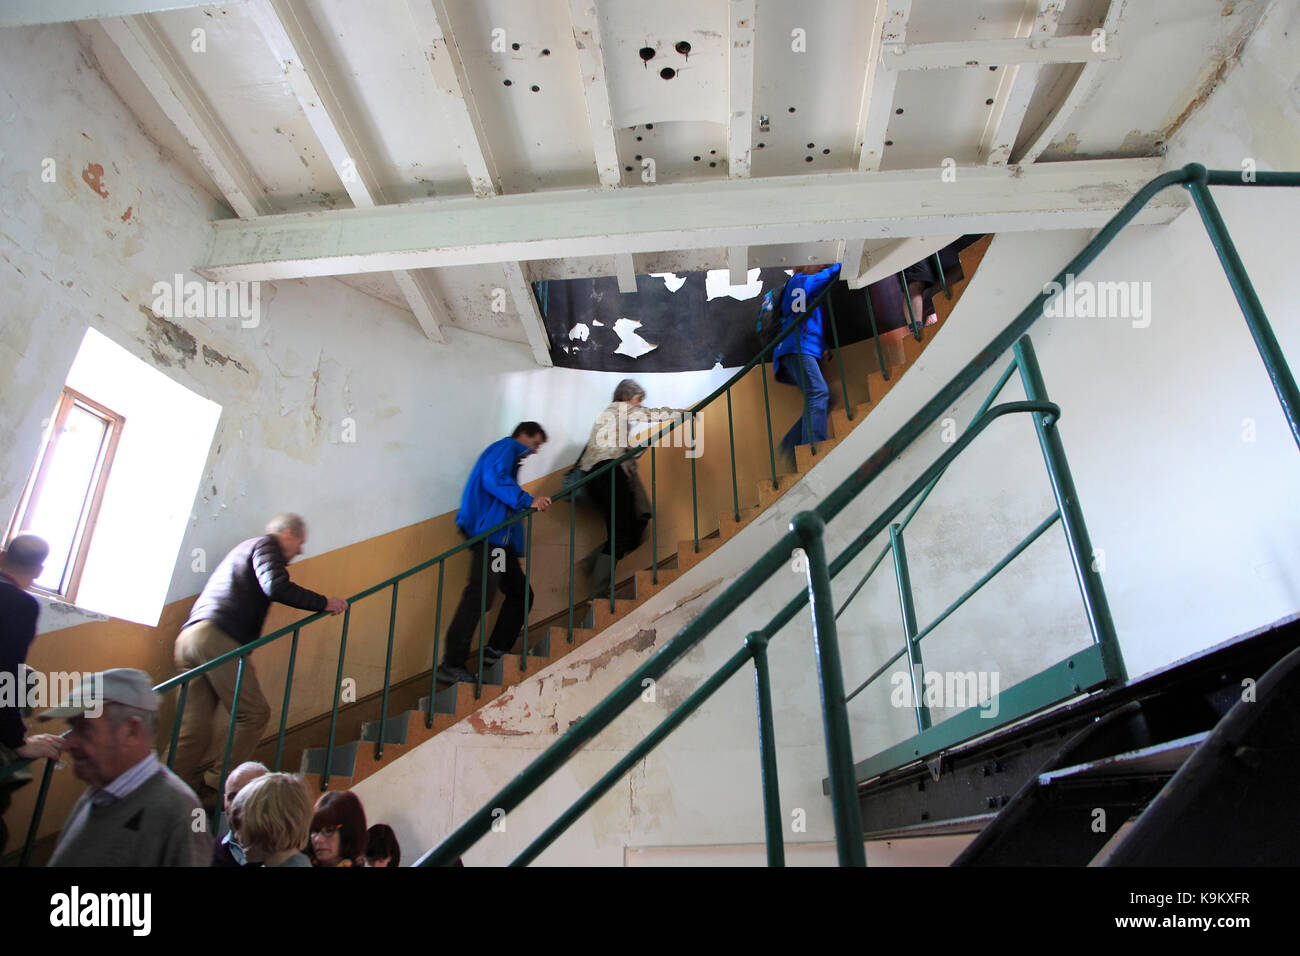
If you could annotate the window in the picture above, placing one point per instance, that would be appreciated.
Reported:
(113, 486)
(66, 489)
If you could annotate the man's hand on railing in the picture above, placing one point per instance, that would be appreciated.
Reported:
(41, 745)
(336, 605)
(541, 503)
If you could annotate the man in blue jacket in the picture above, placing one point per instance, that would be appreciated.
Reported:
(804, 348)
(492, 495)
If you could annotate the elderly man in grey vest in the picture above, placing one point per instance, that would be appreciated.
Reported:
(135, 812)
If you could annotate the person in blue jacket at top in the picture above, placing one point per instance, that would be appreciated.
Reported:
(492, 495)
(805, 347)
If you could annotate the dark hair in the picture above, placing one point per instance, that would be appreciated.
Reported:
(381, 843)
(530, 429)
(341, 808)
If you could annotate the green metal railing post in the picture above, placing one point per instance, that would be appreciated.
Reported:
(37, 811)
(774, 824)
(767, 411)
(613, 546)
(809, 527)
(731, 438)
(1067, 502)
(528, 588)
(943, 279)
(230, 729)
(916, 670)
(839, 358)
(176, 724)
(1261, 331)
(437, 633)
(654, 518)
(388, 673)
(482, 616)
(912, 322)
(875, 334)
(338, 692)
(695, 503)
(573, 513)
(284, 707)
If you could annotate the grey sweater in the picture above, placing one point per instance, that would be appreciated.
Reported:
(159, 823)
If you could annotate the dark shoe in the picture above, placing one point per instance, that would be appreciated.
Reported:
(491, 655)
(453, 675)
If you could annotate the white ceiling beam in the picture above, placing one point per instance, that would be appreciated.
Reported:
(424, 302)
(284, 26)
(883, 259)
(431, 28)
(591, 222)
(889, 28)
(738, 265)
(1084, 83)
(595, 90)
(985, 53)
(286, 34)
(167, 81)
(29, 13)
(521, 291)
(625, 272)
(740, 87)
(850, 259)
(1016, 85)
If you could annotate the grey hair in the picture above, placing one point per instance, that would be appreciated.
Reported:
(118, 714)
(627, 390)
(287, 521)
(26, 551)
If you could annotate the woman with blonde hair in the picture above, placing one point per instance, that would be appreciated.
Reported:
(270, 818)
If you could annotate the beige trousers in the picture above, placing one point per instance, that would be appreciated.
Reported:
(195, 645)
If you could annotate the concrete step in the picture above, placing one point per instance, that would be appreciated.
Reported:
(728, 526)
(767, 494)
(345, 758)
(803, 454)
(688, 557)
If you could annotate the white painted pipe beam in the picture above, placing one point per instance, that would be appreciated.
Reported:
(740, 87)
(625, 271)
(591, 61)
(283, 25)
(1083, 86)
(593, 222)
(168, 82)
(29, 13)
(983, 53)
(521, 291)
(877, 104)
(1016, 85)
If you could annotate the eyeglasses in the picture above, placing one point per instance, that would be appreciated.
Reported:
(328, 831)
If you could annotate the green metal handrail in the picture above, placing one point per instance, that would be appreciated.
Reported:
(807, 529)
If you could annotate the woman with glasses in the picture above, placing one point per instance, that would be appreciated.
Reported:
(338, 830)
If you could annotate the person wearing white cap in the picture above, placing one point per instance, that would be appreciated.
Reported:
(135, 812)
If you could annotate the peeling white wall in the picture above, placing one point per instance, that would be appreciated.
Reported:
(1199, 525)
(86, 250)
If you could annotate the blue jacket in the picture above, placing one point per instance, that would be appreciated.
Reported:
(492, 494)
(811, 337)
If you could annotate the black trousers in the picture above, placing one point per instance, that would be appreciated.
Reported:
(629, 527)
(510, 581)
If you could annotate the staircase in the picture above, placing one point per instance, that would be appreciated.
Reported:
(431, 714)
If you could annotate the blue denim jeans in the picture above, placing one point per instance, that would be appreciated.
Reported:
(816, 400)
